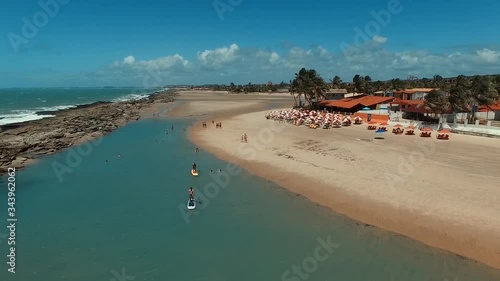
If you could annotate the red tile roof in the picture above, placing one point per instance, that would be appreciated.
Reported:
(348, 103)
(407, 102)
(418, 108)
(491, 107)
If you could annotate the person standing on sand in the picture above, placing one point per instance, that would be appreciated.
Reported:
(245, 137)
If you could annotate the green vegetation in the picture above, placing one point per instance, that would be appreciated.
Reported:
(456, 94)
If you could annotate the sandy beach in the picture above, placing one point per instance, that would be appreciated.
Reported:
(443, 193)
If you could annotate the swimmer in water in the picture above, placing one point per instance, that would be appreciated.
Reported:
(119, 155)
(106, 161)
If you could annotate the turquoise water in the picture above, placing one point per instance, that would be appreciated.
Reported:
(19, 105)
(101, 221)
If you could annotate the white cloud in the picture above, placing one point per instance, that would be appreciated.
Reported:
(379, 39)
(219, 57)
(488, 55)
(129, 60)
(164, 63)
(242, 65)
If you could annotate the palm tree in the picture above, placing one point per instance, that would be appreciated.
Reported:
(367, 85)
(358, 82)
(438, 102)
(336, 82)
(437, 81)
(483, 91)
(308, 83)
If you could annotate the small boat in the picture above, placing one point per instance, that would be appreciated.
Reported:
(194, 173)
(191, 205)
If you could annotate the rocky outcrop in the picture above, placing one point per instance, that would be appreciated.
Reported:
(28, 140)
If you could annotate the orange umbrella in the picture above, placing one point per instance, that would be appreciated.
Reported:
(372, 123)
(411, 127)
(444, 131)
(426, 129)
(383, 124)
(398, 126)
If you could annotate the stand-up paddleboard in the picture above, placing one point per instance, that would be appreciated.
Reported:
(191, 205)
(194, 173)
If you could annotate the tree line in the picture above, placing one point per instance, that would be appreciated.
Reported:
(454, 95)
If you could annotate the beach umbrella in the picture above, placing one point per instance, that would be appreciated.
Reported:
(445, 131)
(372, 123)
(426, 129)
(398, 126)
(411, 127)
(383, 124)
(366, 108)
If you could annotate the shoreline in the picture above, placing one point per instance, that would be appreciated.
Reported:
(21, 144)
(442, 232)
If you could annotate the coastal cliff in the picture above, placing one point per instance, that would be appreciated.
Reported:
(21, 143)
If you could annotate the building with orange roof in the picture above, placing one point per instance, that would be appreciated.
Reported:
(355, 104)
(413, 94)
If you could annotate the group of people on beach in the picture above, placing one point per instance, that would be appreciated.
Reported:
(244, 138)
(217, 125)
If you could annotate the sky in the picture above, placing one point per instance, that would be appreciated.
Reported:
(93, 43)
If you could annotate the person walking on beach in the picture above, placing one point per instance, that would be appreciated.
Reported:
(245, 137)
(191, 193)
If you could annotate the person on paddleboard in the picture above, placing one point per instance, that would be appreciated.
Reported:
(194, 166)
(191, 193)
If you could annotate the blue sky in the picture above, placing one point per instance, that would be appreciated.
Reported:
(123, 43)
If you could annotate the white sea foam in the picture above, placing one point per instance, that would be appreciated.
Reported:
(131, 97)
(18, 118)
(23, 115)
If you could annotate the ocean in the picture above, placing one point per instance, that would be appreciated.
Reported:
(25, 104)
(80, 218)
